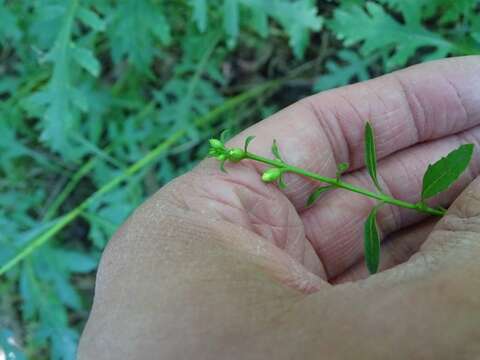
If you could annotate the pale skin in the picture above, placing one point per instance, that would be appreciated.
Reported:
(224, 266)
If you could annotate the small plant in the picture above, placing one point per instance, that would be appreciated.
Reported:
(438, 177)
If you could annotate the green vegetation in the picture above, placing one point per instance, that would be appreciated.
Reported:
(104, 101)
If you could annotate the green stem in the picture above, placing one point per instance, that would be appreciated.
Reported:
(343, 185)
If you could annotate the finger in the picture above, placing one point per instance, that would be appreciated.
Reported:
(334, 225)
(395, 250)
(420, 103)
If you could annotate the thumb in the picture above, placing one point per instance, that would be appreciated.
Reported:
(455, 240)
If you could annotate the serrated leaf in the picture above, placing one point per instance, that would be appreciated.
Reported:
(371, 242)
(135, 30)
(378, 32)
(248, 140)
(370, 155)
(440, 175)
(317, 193)
(275, 150)
(298, 19)
(85, 58)
(353, 68)
(91, 18)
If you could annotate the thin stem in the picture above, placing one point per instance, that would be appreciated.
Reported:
(343, 185)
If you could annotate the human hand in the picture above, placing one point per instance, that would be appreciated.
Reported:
(223, 266)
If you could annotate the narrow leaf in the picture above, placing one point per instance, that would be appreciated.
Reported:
(317, 193)
(248, 140)
(440, 175)
(222, 166)
(370, 155)
(341, 168)
(371, 242)
(276, 151)
(224, 135)
(281, 183)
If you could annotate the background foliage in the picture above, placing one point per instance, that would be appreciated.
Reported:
(104, 101)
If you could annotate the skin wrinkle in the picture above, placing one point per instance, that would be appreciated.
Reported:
(415, 109)
(458, 98)
(325, 127)
(277, 233)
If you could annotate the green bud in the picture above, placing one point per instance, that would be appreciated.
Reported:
(235, 155)
(222, 157)
(216, 144)
(271, 174)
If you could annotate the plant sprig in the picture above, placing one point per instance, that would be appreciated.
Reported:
(438, 177)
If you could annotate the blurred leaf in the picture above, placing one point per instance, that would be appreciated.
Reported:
(376, 31)
(275, 150)
(341, 168)
(351, 67)
(92, 19)
(248, 140)
(136, 27)
(85, 58)
(9, 21)
(200, 14)
(230, 20)
(440, 175)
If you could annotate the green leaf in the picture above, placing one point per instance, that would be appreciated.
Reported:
(222, 166)
(85, 58)
(440, 175)
(380, 33)
(230, 20)
(281, 183)
(341, 168)
(200, 14)
(298, 18)
(355, 68)
(370, 155)
(317, 193)
(371, 242)
(276, 151)
(135, 30)
(225, 135)
(91, 19)
(248, 140)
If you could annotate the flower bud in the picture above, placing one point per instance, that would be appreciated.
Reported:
(271, 174)
(222, 157)
(216, 144)
(235, 155)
